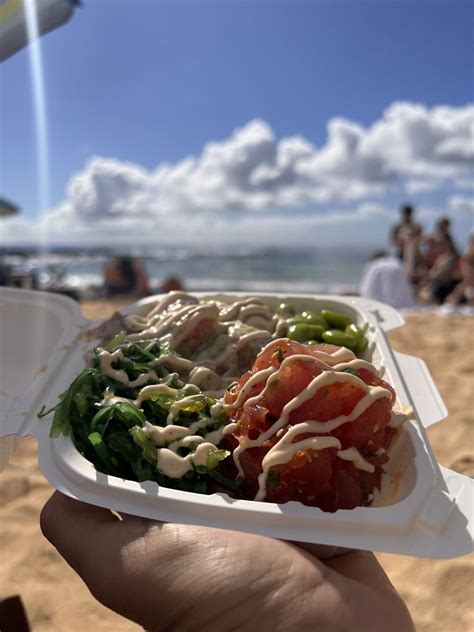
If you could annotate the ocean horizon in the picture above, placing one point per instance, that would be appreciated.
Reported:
(244, 268)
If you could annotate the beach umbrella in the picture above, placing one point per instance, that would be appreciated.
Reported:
(7, 208)
(48, 14)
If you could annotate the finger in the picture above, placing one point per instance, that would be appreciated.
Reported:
(364, 568)
(361, 566)
(358, 565)
(320, 551)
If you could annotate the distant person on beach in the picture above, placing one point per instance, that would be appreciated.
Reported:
(440, 242)
(443, 261)
(405, 230)
(463, 293)
(385, 279)
(171, 284)
(170, 576)
(125, 275)
(5, 271)
(413, 257)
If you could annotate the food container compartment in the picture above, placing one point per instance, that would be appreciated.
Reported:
(430, 513)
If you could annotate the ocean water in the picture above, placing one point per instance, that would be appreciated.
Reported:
(306, 270)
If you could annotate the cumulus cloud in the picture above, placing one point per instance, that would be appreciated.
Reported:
(64, 227)
(465, 183)
(107, 188)
(411, 146)
(461, 205)
(252, 173)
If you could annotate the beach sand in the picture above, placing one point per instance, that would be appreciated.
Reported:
(439, 593)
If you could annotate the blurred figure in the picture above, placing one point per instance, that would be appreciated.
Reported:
(413, 257)
(463, 293)
(440, 242)
(403, 231)
(171, 284)
(442, 278)
(442, 258)
(5, 271)
(125, 275)
(385, 280)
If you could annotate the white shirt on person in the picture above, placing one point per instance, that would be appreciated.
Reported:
(385, 280)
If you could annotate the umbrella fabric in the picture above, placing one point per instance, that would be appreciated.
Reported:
(7, 208)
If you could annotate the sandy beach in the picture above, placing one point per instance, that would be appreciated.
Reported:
(439, 593)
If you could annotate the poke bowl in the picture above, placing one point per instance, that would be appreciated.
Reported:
(165, 430)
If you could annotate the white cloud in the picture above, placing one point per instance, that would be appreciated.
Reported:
(410, 145)
(461, 205)
(411, 148)
(107, 188)
(372, 209)
(420, 185)
(64, 227)
(465, 183)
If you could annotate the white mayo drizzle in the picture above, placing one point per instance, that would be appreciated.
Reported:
(282, 324)
(275, 375)
(333, 359)
(181, 403)
(135, 322)
(173, 362)
(256, 378)
(353, 454)
(171, 321)
(284, 446)
(255, 310)
(152, 389)
(207, 379)
(166, 324)
(171, 464)
(164, 435)
(229, 356)
(173, 298)
(231, 312)
(174, 437)
(260, 322)
(111, 399)
(399, 415)
(199, 313)
(355, 364)
(283, 451)
(250, 337)
(106, 359)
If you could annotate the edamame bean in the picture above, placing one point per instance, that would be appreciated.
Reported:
(353, 330)
(285, 310)
(340, 338)
(302, 332)
(336, 320)
(312, 318)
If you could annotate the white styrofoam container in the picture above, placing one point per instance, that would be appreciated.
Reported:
(43, 342)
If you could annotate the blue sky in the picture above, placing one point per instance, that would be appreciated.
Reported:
(151, 82)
